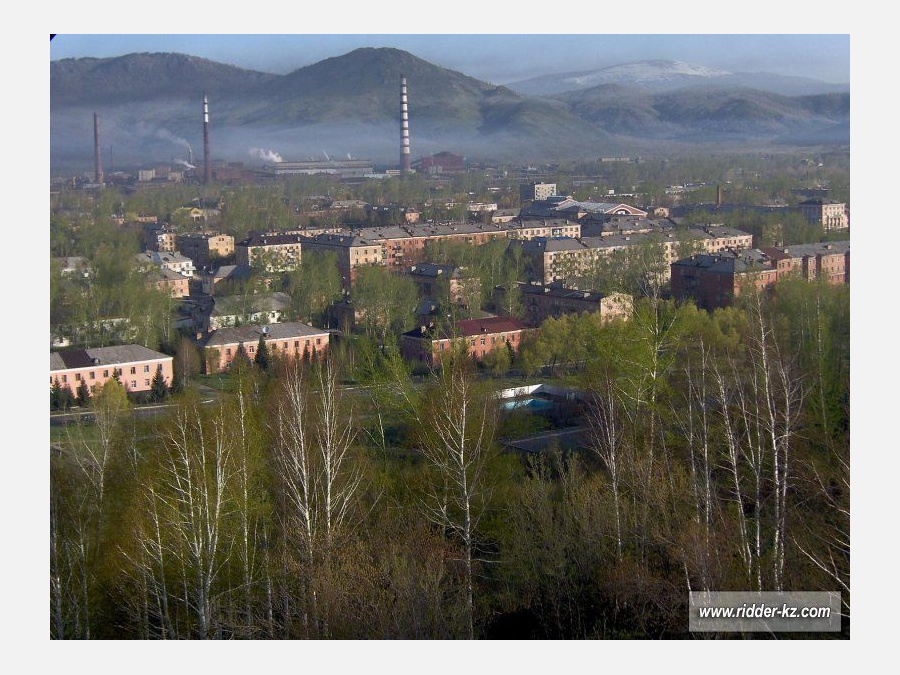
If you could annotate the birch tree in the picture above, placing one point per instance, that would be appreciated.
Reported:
(314, 434)
(457, 425)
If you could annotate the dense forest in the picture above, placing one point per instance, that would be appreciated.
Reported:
(295, 506)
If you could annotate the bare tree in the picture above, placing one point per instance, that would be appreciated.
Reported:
(192, 504)
(457, 424)
(760, 402)
(607, 441)
(314, 435)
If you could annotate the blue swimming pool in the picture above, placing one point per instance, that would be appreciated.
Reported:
(529, 404)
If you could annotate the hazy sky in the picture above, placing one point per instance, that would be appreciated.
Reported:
(496, 58)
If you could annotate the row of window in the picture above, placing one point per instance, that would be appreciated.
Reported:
(92, 375)
(274, 345)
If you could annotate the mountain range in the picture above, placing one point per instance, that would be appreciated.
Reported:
(150, 110)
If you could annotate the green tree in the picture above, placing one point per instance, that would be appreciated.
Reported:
(262, 358)
(82, 394)
(159, 390)
(386, 301)
(313, 286)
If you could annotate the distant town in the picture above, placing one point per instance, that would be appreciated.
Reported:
(445, 399)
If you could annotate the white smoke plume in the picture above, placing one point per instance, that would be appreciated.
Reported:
(186, 165)
(169, 136)
(266, 155)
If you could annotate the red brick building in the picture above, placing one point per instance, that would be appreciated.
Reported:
(427, 346)
(828, 260)
(541, 302)
(440, 162)
(714, 280)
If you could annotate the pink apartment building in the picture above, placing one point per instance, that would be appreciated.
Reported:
(136, 366)
(284, 340)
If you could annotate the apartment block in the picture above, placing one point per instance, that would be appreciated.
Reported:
(427, 345)
(135, 365)
(205, 248)
(290, 340)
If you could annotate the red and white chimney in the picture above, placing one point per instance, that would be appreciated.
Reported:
(404, 128)
(207, 169)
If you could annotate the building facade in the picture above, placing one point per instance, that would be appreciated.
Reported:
(172, 261)
(540, 302)
(427, 346)
(135, 366)
(290, 340)
(714, 280)
(271, 252)
(829, 261)
(828, 213)
(205, 248)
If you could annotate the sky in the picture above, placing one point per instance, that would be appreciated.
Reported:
(499, 58)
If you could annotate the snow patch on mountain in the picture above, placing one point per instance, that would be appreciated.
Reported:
(644, 72)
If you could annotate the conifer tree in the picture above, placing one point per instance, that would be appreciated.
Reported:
(261, 358)
(82, 394)
(159, 390)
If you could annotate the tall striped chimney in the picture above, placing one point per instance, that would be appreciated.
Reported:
(404, 128)
(98, 166)
(207, 169)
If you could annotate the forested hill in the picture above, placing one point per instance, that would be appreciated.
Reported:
(350, 104)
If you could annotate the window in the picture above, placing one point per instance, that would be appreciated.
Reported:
(482, 340)
(64, 378)
(228, 352)
(146, 369)
(133, 384)
(133, 370)
(92, 375)
(318, 341)
(105, 373)
(297, 345)
(78, 377)
(252, 349)
(146, 383)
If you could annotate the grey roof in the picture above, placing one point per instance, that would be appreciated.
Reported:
(819, 201)
(432, 270)
(728, 262)
(161, 257)
(105, 356)
(232, 272)
(540, 245)
(560, 292)
(168, 275)
(250, 334)
(821, 248)
(719, 231)
(273, 240)
(230, 304)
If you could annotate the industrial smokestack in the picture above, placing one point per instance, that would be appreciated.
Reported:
(207, 169)
(404, 128)
(718, 196)
(98, 167)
